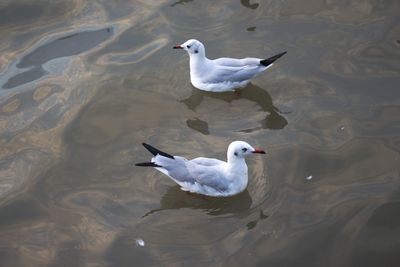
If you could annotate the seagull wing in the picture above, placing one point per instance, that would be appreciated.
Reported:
(232, 70)
(236, 62)
(207, 161)
(211, 176)
(200, 170)
(224, 73)
(176, 168)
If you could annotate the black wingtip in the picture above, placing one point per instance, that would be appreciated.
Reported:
(147, 164)
(269, 61)
(156, 151)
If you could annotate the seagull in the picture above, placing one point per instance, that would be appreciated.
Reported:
(222, 74)
(206, 176)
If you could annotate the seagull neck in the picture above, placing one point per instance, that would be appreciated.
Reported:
(197, 58)
(237, 172)
(235, 162)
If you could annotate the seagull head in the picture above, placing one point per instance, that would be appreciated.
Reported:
(240, 149)
(192, 46)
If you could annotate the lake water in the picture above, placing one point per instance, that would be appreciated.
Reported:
(84, 83)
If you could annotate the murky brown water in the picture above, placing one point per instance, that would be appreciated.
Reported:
(82, 84)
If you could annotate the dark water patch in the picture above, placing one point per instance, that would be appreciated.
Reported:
(181, 2)
(252, 224)
(394, 143)
(69, 254)
(376, 121)
(10, 256)
(198, 125)
(25, 77)
(387, 215)
(123, 252)
(65, 46)
(246, 3)
(20, 13)
(268, 249)
(378, 241)
(371, 258)
(23, 211)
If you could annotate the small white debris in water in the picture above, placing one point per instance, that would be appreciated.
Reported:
(139, 242)
(342, 128)
(309, 177)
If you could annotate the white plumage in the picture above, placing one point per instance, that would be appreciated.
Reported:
(222, 74)
(206, 176)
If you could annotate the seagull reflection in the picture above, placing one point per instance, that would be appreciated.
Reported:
(246, 3)
(175, 198)
(180, 2)
(274, 120)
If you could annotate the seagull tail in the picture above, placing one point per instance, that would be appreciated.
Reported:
(156, 152)
(147, 164)
(269, 61)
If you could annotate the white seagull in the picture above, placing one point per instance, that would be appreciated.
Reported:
(206, 176)
(222, 74)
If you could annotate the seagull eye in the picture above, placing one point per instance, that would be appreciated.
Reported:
(188, 46)
(244, 149)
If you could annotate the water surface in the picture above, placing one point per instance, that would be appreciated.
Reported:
(83, 84)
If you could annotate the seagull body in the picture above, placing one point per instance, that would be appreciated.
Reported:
(206, 176)
(222, 74)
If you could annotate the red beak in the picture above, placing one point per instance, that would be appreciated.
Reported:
(259, 151)
(177, 47)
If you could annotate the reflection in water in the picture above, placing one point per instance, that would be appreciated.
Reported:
(65, 46)
(198, 125)
(254, 223)
(274, 120)
(181, 2)
(175, 198)
(251, 29)
(246, 3)
(70, 45)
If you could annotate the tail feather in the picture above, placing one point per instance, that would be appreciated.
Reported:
(147, 164)
(269, 61)
(156, 152)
